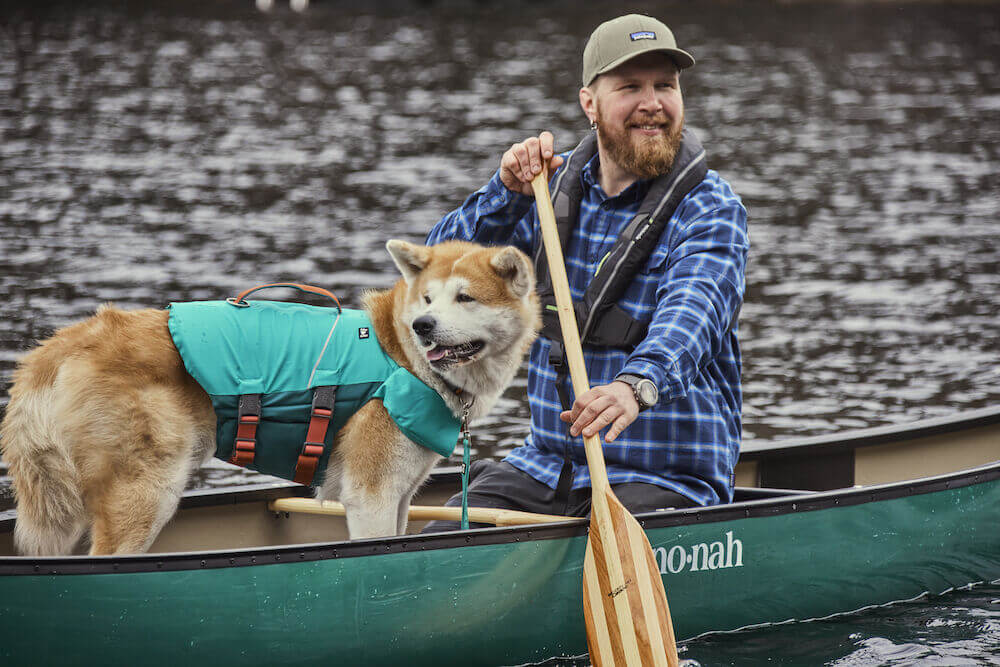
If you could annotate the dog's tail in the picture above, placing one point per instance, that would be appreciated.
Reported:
(50, 510)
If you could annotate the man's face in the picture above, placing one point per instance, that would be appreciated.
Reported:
(640, 114)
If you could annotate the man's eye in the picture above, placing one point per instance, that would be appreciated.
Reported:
(464, 298)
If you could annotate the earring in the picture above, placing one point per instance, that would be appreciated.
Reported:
(593, 124)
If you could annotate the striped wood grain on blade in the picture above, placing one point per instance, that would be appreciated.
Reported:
(647, 597)
(628, 622)
(619, 591)
(598, 633)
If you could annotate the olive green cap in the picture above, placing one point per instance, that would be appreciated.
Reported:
(624, 38)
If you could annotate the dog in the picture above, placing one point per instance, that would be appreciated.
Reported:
(105, 424)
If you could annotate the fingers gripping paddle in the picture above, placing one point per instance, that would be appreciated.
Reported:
(624, 604)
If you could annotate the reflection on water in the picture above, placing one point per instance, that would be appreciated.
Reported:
(185, 150)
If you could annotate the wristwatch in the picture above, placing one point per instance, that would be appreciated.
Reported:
(646, 393)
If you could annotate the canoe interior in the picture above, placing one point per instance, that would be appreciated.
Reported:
(874, 456)
(252, 524)
(208, 521)
(241, 519)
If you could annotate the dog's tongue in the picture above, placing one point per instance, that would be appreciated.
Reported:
(436, 353)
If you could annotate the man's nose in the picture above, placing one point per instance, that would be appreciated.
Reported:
(649, 100)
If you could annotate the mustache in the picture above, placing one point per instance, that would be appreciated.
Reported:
(650, 120)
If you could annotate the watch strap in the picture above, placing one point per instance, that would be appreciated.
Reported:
(632, 381)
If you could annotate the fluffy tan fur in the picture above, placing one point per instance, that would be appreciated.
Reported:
(105, 426)
(97, 414)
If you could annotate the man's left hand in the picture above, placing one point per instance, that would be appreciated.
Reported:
(606, 404)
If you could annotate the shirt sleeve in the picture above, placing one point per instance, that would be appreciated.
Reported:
(493, 215)
(698, 300)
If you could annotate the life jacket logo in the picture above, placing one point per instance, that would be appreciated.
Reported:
(363, 332)
(645, 34)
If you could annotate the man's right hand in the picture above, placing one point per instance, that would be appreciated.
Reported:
(523, 161)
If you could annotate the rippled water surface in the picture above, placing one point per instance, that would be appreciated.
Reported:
(156, 151)
(961, 628)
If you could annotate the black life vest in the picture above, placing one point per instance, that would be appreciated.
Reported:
(602, 322)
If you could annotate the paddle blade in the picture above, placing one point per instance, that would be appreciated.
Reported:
(625, 606)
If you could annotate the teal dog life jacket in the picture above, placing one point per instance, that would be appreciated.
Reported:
(285, 377)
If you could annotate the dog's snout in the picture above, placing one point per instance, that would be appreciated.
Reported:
(424, 324)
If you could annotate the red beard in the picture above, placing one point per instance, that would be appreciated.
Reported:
(645, 157)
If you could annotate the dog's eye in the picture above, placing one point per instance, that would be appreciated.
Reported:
(464, 298)
(427, 299)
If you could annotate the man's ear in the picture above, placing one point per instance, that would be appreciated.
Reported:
(513, 266)
(588, 103)
(410, 258)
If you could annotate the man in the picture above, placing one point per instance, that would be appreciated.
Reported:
(668, 390)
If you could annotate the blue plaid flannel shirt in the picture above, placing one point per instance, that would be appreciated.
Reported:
(690, 290)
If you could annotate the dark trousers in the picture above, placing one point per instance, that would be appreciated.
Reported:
(502, 486)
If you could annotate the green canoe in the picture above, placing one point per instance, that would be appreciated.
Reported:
(232, 583)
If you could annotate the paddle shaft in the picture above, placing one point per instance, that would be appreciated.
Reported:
(615, 631)
(496, 517)
(567, 323)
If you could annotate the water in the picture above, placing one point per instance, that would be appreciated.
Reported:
(958, 629)
(962, 628)
(158, 151)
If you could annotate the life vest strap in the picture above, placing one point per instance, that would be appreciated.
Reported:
(600, 320)
(324, 399)
(248, 418)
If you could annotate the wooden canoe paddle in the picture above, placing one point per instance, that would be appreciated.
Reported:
(624, 604)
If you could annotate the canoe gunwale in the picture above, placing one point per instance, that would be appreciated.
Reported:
(868, 437)
(256, 556)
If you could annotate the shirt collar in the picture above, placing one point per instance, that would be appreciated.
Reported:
(632, 194)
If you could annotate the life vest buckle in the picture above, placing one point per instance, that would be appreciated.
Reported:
(324, 401)
(248, 418)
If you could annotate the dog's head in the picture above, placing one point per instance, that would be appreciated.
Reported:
(465, 302)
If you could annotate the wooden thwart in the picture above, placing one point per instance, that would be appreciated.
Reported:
(625, 606)
(489, 515)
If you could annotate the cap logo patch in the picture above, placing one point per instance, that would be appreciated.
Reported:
(645, 34)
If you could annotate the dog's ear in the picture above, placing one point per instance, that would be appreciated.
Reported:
(513, 266)
(410, 258)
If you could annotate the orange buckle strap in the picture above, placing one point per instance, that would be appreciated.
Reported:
(324, 399)
(248, 417)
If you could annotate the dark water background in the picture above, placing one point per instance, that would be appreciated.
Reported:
(159, 151)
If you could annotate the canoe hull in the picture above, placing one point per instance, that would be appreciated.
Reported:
(502, 596)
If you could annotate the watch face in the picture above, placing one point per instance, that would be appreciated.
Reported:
(647, 392)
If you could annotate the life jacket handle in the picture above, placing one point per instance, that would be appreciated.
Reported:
(240, 299)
